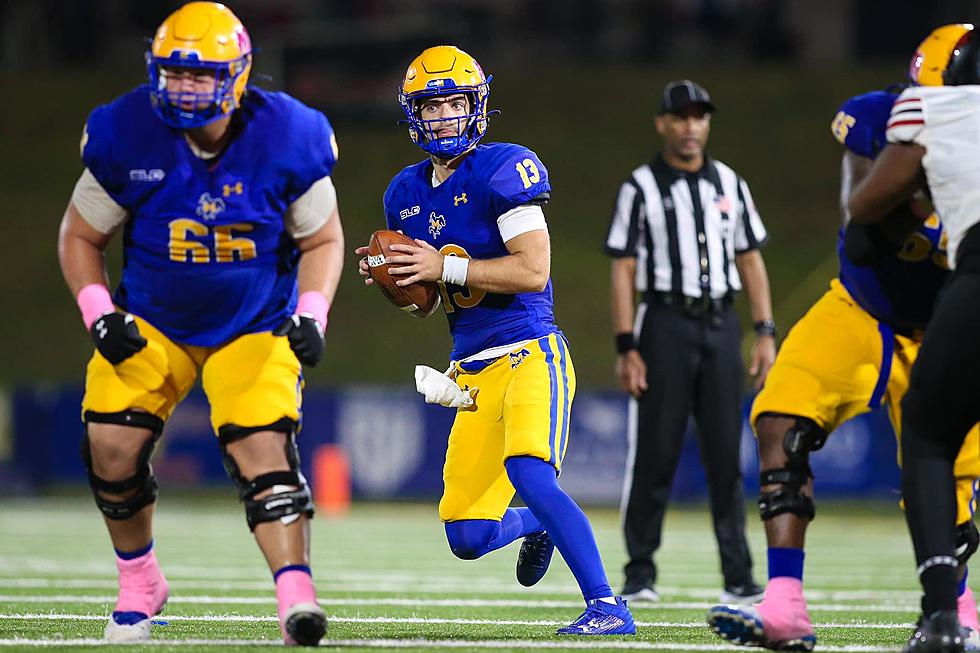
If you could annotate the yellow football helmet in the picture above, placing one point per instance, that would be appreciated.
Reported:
(935, 55)
(203, 36)
(445, 70)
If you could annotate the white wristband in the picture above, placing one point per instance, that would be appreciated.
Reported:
(454, 269)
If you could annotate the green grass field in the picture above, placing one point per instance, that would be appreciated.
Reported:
(387, 580)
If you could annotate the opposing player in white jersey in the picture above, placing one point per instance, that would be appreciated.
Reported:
(934, 137)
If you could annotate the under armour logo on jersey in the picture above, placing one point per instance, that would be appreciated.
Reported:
(517, 357)
(209, 207)
(436, 224)
(668, 204)
(459, 198)
(235, 188)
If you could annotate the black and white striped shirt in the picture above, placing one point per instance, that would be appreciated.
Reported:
(685, 228)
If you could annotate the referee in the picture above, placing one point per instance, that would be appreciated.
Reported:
(685, 235)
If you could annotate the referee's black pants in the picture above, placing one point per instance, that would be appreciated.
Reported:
(940, 407)
(694, 367)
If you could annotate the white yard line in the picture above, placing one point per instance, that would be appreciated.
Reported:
(465, 585)
(589, 644)
(233, 618)
(17, 565)
(456, 584)
(905, 608)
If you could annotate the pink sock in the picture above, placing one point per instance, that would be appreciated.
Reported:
(966, 609)
(783, 610)
(293, 586)
(142, 587)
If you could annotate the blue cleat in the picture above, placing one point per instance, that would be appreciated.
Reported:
(534, 558)
(743, 626)
(601, 618)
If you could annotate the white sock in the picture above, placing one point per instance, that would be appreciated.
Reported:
(609, 599)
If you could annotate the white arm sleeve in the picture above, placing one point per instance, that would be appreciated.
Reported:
(95, 205)
(520, 220)
(312, 209)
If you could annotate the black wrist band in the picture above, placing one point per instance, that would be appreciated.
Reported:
(625, 342)
(765, 328)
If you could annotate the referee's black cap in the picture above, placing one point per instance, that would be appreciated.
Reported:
(681, 93)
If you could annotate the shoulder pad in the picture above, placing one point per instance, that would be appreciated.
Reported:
(860, 122)
(516, 176)
(96, 146)
(907, 119)
(305, 138)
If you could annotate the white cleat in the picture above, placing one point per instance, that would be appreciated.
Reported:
(742, 594)
(131, 626)
(120, 633)
(643, 595)
(971, 640)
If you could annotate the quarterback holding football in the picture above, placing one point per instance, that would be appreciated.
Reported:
(475, 214)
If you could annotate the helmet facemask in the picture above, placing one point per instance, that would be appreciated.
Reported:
(185, 110)
(469, 127)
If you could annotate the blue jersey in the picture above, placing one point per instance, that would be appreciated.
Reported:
(460, 217)
(206, 253)
(901, 289)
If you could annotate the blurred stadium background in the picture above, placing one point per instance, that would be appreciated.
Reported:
(576, 80)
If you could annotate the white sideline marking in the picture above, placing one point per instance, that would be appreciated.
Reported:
(909, 608)
(590, 644)
(413, 620)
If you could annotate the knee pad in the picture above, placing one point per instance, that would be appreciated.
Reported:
(142, 481)
(967, 541)
(470, 539)
(290, 493)
(802, 438)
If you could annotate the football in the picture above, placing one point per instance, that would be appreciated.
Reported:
(419, 299)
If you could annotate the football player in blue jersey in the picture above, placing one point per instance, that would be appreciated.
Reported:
(851, 353)
(232, 248)
(475, 213)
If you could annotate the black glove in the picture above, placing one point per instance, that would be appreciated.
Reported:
(305, 338)
(117, 337)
